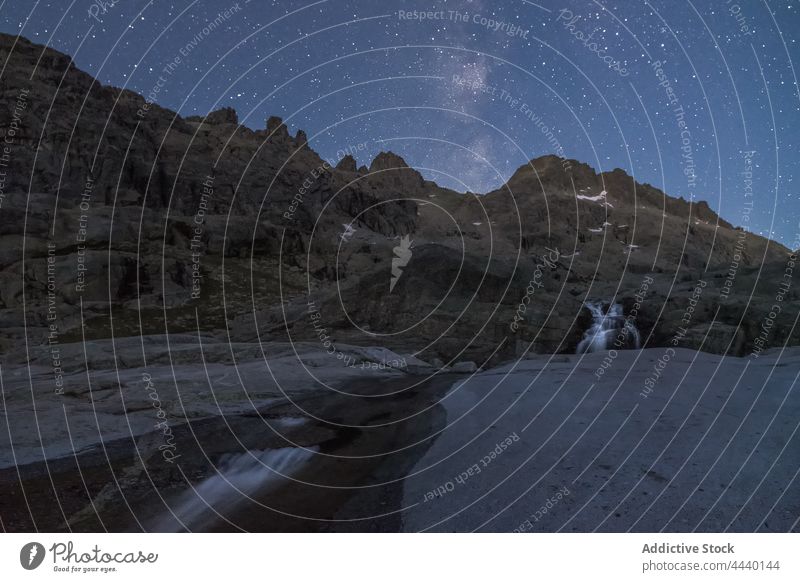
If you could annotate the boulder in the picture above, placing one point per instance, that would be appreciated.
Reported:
(464, 368)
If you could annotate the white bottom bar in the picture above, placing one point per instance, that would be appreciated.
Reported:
(403, 557)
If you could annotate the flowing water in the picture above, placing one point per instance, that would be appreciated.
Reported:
(238, 477)
(610, 329)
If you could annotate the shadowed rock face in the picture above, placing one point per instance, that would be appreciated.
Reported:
(220, 116)
(144, 210)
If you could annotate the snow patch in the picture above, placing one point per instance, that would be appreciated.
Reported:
(600, 199)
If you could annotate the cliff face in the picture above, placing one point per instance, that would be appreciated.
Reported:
(147, 222)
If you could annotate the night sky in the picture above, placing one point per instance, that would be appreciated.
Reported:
(477, 88)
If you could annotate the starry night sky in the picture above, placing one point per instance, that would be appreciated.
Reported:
(468, 101)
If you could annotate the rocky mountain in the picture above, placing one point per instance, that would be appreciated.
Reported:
(125, 216)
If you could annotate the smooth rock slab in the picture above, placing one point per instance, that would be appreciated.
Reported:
(711, 448)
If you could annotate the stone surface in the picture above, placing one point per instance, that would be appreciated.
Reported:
(710, 448)
(110, 389)
(464, 368)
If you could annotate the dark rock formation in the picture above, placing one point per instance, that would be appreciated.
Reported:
(347, 164)
(145, 217)
(220, 116)
(277, 128)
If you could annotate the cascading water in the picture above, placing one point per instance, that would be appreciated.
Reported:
(610, 329)
(238, 477)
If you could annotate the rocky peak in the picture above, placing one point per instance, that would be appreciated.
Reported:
(387, 161)
(46, 57)
(391, 174)
(276, 127)
(347, 164)
(218, 117)
(554, 174)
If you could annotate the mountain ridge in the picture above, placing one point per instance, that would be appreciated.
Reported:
(169, 216)
(275, 125)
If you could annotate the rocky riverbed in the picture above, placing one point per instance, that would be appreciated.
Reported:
(540, 444)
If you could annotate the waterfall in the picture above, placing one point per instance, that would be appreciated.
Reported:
(237, 477)
(610, 329)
